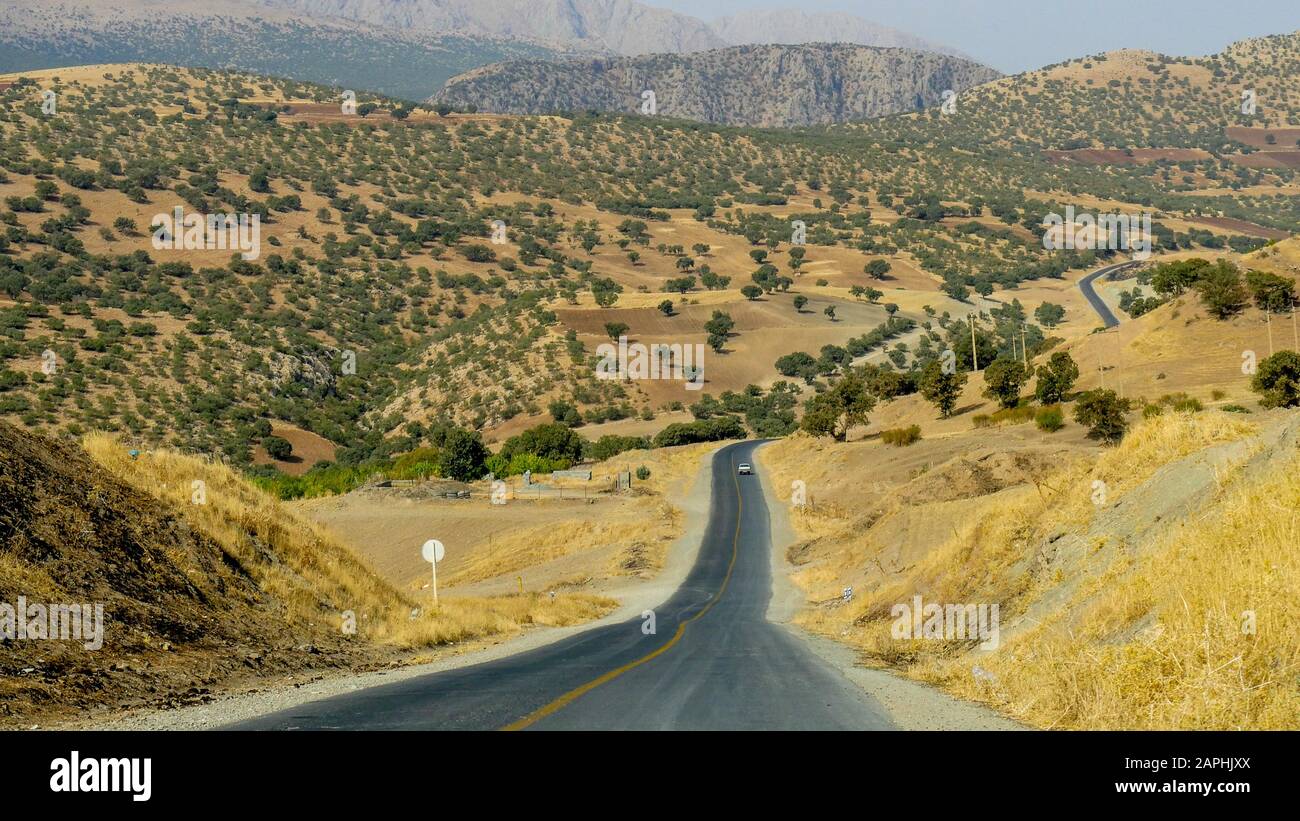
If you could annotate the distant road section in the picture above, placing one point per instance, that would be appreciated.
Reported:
(1098, 304)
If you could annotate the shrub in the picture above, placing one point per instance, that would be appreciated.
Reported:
(1102, 412)
(1180, 402)
(706, 430)
(553, 441)
(420, 463)
(1049, 418)
(1018, 415)
(609, 446)
(901, 437)
(643, 473)
(277, 447)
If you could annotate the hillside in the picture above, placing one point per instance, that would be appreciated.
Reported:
(770, 86)
(204, 583)
(245, 35)
(1162, 602)
(377, 243)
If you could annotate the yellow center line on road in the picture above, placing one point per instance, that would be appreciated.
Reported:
(576, 693)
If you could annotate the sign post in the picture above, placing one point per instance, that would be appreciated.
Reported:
(433, 551)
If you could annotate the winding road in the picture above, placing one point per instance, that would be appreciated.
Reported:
(713, 662)
(1098, 304)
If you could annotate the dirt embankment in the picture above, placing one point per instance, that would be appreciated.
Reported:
(179, 614)
(1144, 586)
(205, 584)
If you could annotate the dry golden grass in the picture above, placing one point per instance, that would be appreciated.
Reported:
(314, 577)
(648, 530)
(1147, 634)
(1167, 643)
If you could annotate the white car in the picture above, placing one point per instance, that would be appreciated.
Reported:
(743, 469)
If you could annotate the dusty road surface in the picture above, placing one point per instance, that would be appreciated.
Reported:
(713, 660)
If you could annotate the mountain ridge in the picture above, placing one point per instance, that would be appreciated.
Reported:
(755, 85)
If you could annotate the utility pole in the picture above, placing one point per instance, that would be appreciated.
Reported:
(1268, 319)
(1119, 375)
(974, 351)
(1294, 333)
(1024, 349)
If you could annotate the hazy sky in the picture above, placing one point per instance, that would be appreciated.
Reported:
(1016, 35)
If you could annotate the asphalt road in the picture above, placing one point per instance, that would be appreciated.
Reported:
(1099, 305)
(713, 663)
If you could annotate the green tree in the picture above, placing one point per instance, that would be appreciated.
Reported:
(799, 302)
(877, 268)
(278, 447)
(1171, 279)
(1277, 380)
(553, 441)
(798, 364)
(719, 328)
(1271, 292)
(941, 389)
(565, 413)
(1102, 412)
(1221, 289)
(1056, 378)
(1049, 314)
(666, 307)
(615, 329)
(836, 411)
(751, 292)
(462, 455)
(1003, 380)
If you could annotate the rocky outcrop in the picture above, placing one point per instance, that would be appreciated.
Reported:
(771, 85)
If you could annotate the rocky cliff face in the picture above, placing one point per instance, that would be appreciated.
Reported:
(619, 26)
(768, 85)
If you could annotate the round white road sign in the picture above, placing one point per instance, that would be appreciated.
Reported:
(432, 551)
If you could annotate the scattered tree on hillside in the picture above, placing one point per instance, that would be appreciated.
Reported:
(277, 447)
(719, 328)
(836, 411)
(1056, 378)
(1003, 379)
(1221, 289)
(1277, 380)
(1102, 412)
(941, 389)
(1271, 292)
(1049, 314)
